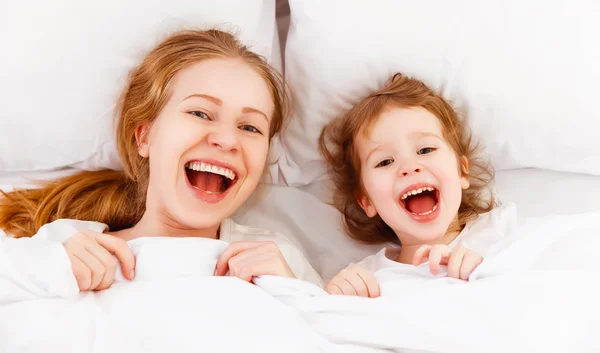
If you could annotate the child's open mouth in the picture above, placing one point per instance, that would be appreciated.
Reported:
(421, 201)
(211, 179)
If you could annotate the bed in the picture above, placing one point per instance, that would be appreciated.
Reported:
(531, 101)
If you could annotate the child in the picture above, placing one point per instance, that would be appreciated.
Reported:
(194, 127)
(405, 169)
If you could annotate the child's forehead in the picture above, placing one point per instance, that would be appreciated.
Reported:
(406, 122)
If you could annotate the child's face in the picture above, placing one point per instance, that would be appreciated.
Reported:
(405, 154)
(208, 147)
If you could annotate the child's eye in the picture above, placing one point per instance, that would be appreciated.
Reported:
(199, 114)
(426, 150)
(251, 128)
(384, 163)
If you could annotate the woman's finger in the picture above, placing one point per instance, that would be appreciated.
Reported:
(121, 250)
(82, 273)
(94, 265)
(232, 250)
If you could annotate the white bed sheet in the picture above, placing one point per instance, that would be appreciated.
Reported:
(316, 229)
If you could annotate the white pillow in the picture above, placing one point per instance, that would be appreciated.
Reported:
(64, 63)
(526, 73)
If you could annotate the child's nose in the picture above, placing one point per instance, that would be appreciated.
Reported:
(403, 171)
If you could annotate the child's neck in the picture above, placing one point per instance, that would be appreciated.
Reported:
(408, 251)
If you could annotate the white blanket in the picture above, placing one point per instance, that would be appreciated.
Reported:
(537, 292)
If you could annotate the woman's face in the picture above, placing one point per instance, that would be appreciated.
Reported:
(208, 146)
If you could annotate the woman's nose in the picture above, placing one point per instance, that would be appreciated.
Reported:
(224, 138)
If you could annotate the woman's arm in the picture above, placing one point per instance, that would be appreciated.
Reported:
(33, 268)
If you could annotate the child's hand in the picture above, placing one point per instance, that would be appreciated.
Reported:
(248, 259)
(355, 280)
(92, 260)
(461, 261)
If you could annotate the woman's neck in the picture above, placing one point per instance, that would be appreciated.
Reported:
(164, 226)
(408, 251)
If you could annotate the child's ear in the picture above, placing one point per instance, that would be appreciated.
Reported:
(365, 203)
(464, 175)
(141, 137)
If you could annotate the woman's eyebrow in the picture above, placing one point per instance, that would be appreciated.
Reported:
(217, 101)
(247, 110)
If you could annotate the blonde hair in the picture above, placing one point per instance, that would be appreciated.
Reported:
(337, 144)
(118, 198)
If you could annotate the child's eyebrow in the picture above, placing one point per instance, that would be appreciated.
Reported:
(426, 134)
(376, 149)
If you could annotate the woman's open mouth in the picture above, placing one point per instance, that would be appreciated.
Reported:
(209, 178)
(421, 202)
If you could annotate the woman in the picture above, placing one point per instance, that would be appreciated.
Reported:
(194, 126)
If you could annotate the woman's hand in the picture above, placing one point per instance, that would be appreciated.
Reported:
(461, 261)
(248, 259)
(92, 260)
(355, 280)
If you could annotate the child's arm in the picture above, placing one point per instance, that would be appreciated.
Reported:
(354, 280)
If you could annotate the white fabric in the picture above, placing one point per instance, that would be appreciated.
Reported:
(61, 230)
(64, 63)
(537, 292)
(480, 235)
(527, 85)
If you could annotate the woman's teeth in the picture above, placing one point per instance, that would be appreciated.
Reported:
(417, 191)
(205, 167)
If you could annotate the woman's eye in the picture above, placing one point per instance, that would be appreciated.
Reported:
(201, 115)
(384, 163)
(426, 150)
(250, 128)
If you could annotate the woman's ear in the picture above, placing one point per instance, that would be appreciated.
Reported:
(464, 175)
(365, 203)
(141, 137)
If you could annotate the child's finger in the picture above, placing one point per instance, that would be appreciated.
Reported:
(332, 288)
(345, 287)
(469, 264)
(438, 255)
(421, 254)
(360, 287)
(369, 280)
(456, 259)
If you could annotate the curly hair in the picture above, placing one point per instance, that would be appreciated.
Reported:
(338, 145)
